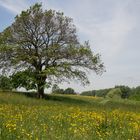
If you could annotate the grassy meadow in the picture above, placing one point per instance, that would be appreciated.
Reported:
(68, 117)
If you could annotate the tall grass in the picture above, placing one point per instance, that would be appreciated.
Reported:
(68, 118)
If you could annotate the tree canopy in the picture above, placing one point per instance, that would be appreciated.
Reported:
(45, 43)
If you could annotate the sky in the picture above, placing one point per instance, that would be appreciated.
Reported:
(112, 28)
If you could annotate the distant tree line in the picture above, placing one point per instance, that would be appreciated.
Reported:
(57, 90)
(19, 80)
(119, 91)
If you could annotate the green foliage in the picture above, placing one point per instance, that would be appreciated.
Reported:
(99, 93)
(114, 93)
(69, 91)
(135, 94)
(88, 93)
(46, 43)
(23, 79)
(137, 90)
(55, 88)
(59, 91)
(5, 83)
(126, 91)
(102, 92)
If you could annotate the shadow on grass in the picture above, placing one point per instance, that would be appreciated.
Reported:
(28, 94)
(64, 99)
(74, 100)
(58, 98)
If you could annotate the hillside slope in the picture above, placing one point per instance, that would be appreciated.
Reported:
(67, 117)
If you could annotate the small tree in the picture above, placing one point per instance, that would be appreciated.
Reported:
(46, 43)
(114, 93)
(55, 88)
(59, 91)
(69, 91)
(125, 91)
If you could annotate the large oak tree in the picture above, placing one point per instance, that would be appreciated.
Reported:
(45, 43)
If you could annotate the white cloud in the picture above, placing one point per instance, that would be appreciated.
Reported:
(15, 6)
(114, 33)
(105, 24)
(109, 36)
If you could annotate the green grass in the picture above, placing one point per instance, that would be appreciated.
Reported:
(68, 117)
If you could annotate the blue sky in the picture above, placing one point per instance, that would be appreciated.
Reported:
(112, 28)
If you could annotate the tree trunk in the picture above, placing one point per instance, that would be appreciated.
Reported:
(40, 91)
(41, 81)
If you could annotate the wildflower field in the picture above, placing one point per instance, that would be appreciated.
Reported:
(68, 118)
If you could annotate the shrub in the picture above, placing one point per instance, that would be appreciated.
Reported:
(69, 91)
(126, 91)
(114, 93)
